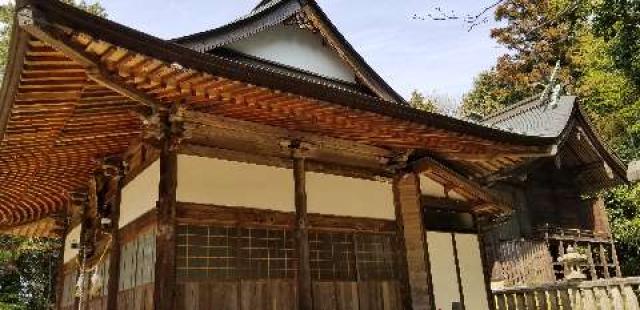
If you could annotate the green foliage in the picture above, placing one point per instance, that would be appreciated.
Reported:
(624, 218)
(617, 21)
(420, 102)
(27, 270)
(537, 34)
(598, 45)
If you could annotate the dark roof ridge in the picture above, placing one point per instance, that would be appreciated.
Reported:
(263, 9)
(524, 104)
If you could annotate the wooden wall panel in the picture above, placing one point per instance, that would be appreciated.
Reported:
(281, 295)
(137, 265)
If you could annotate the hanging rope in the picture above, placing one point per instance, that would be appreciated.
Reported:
(95, 282)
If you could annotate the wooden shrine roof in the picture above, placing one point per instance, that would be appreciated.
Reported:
(270, 13)
(581, 150)
(76, 84)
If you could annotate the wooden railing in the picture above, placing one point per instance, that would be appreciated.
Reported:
(610, 294)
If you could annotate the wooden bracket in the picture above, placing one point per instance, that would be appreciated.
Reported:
(298, 149)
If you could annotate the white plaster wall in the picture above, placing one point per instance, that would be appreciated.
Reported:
(72, 236)
(432, 188)
(443, 269)
(471, 272)
(220, 182)
(292, 46)
(140, 195)
(338, 195)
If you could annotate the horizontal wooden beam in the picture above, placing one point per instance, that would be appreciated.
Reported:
(544, 151)
(284, 161)
(250, 129)
(465, 186)
(444, 203)
(205, 214)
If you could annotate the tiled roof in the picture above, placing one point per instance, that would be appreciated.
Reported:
(534, 117)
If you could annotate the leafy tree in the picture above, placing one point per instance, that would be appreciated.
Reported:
(617, 21)
(538, 34)
(26, 269)
(420, 102)
(598, 45)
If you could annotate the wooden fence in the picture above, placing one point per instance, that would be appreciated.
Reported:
(609, 294)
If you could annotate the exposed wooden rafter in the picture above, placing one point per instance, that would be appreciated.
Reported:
(35, 24)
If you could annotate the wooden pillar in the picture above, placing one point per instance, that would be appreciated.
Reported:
(114, 254)
(409, 215)
(456, 260)
(59, 284)
(165, 271)
(304, 287)
(86, 229)
(486, 268)
(614, 258)
(604, 261)
(592, 264)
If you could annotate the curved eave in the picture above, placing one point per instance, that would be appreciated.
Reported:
(60, 13)
(17, 49)
(608, 155)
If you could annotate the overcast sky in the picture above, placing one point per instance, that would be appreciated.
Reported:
(431, 56)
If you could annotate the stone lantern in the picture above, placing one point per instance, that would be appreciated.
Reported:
(572, 261)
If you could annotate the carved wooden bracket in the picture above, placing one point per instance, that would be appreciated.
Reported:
(298, 149)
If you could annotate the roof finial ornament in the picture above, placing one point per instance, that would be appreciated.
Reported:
(553, 90)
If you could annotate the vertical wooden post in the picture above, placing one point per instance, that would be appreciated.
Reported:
(604, 261)
(114, 254)
(85, 238)
(590, 261)
(614, 258)
(406, 190)
(59, 287)
(486, 269)
(305, 292)
(456, 260)
(165, 271)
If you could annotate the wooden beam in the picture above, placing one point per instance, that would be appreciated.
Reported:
(486, 269)
(614, 257)
(543, 151)
(59, 287)
(311, 165)
(409, 215)
(445, 203)
(35, 24)
(86, 230)
(114, 254)
(456, 261)
(434, 169)
(245, 128)
(165, 271)
(237, 216)
(304, 287)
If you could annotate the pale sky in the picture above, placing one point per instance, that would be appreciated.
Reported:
(432, 56)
